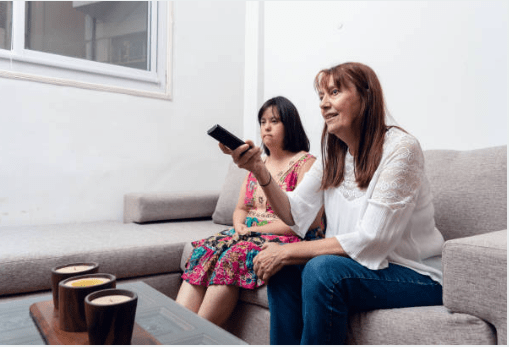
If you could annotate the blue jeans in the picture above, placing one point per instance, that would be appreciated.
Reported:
(310, 304)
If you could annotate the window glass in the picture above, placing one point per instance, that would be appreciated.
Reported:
(112, 32)
(5, 24)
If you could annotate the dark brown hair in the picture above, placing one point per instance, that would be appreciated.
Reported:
(295, 139)
(371, 125)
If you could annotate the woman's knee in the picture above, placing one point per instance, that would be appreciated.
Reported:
(285, 281)
(324, 272)
(286, 276)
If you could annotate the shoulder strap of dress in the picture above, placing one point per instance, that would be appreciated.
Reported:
(295, 165)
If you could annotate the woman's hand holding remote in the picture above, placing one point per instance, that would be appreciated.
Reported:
(248, 158)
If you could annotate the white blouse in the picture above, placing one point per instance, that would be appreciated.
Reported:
(391, 221)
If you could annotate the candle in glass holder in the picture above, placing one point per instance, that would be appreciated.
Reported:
(62, 272)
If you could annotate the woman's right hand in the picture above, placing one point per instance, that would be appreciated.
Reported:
(269, 261)
(251, 160)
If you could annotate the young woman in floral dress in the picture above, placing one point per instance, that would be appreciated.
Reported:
(222, 264)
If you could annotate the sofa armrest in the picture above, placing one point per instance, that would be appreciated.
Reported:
(475, 278)
(151, 207)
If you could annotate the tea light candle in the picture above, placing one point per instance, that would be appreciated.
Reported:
(111, 299)
(74, 268)
(87, 282)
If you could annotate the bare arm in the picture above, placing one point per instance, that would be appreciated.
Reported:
(241, 210)
(239, 216)
(277, 227)
(252, 161)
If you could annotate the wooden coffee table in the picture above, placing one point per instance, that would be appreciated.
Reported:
(157, 314)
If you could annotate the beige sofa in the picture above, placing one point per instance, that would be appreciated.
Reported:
(470, 198)
(153, 243)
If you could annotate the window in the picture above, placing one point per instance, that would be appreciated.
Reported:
(119, 46)
(5, 24)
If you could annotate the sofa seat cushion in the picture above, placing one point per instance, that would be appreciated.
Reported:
(257, 296)
(124, 250)
(412, 325)
(431, 325)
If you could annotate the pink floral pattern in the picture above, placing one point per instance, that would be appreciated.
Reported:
(227, 258)
(287, 181)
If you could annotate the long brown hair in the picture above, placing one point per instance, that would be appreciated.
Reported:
(371, 125)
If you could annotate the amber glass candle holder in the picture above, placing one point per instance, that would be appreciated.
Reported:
(71, 298)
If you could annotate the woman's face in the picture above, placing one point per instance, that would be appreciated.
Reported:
(340, 108)
(272, 129)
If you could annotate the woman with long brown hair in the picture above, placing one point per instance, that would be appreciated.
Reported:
(381, 243)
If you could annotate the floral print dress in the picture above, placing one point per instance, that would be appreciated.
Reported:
(226, 258)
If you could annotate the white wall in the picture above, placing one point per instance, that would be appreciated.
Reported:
(443, 64)
(69, 155)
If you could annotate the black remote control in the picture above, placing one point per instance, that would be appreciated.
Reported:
(225, 137)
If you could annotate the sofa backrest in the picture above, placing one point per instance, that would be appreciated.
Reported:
(229, 196)
(469, 190)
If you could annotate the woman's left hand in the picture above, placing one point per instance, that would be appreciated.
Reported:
(268, 261)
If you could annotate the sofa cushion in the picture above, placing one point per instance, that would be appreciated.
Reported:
(152, 207)
(412, 325)
(257, 296)
(223, 213)
(430, 325)
(475, 278)
(124, 250)
(469, 190)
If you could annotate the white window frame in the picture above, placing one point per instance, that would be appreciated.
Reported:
(25, 64)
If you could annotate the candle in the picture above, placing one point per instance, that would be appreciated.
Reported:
(87, 282)
(74, 268)
(111, 299)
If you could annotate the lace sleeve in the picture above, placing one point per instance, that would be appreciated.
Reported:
(402, 173)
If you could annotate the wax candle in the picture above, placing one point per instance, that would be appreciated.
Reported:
(74, 268)
(87, 282)
(111, 299)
